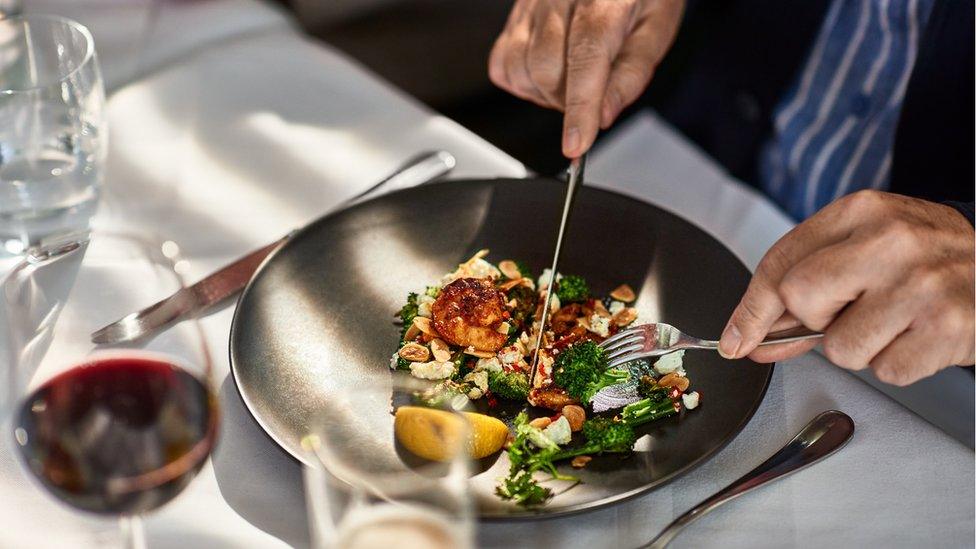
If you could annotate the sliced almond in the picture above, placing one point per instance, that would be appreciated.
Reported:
(576, 415)
(580, 461)
(412, 332)
(540, 422)
(504, 328)
(442, 353)
(414, 352)
(584, 321)
(673, 380)
(480, 354)
(623, 293)
(601, 310)
(625, 316)
(512, 303)
(478, 255)
(509, 285)
(510, 269)
(425, 325)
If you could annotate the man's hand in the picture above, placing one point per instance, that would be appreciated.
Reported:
(888, 278)
(589, 58)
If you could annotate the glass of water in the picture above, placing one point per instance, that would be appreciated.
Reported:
(366, 488)
(52, 131)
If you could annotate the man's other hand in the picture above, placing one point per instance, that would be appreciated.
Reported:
(888, 278)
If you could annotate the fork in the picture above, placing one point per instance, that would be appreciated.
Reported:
(657, 339)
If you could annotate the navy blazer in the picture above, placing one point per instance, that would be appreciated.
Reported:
(735, 59)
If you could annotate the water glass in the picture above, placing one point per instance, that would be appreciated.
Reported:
(365, 490)
(52, 131)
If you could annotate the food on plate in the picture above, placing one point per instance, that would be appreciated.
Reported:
(436, 434)
(474, 334)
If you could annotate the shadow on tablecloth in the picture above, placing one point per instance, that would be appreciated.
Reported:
(259, 481)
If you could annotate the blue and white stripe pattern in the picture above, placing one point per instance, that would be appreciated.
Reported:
(834, 130)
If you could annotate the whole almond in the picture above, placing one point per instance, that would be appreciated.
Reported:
(576, 415)
(414, 352)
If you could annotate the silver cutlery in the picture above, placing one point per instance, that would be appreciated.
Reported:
(824, 435)
(576, 168)
(231, 279)
(657, 339)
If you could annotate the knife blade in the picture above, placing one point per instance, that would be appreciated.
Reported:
(231, 279)
(576, 168)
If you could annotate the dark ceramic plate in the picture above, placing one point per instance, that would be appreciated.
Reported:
(317, 315)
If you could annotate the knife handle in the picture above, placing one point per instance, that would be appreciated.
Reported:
(229, 280)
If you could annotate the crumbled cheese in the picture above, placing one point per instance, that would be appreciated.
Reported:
(537, 437)
(479, 379)
(554, 304)
(546, 278)
(670, 363)
(479, 268)
(394, 360)
(432, 370)
(510, 356)
(424, 303)
(488, 364)
(690, 400)
(474, 394)
(559, 431)
(600, 325)
(617, 306)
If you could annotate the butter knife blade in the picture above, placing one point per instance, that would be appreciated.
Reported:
(576, 168)
(231, 279)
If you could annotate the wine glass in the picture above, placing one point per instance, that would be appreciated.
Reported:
(52, 130)
(366, 488)
(111, 430)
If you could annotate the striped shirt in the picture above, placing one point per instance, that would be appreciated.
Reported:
(834, 129)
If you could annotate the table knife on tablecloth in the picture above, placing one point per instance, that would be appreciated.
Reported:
(231, 279)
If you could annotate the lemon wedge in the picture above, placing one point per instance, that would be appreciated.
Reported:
(437, 434)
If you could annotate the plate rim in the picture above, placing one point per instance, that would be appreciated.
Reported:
(539, 513)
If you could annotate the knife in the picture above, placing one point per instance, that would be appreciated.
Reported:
(231, 279)
(576, 168)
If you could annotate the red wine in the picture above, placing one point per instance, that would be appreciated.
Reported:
(120, 435)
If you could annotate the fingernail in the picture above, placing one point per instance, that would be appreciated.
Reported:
(571, 141)
(728, 346)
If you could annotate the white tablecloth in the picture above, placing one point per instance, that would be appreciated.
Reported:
(244, 140)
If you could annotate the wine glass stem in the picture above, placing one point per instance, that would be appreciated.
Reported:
(133, 534)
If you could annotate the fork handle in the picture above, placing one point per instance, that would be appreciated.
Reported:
(789, 335)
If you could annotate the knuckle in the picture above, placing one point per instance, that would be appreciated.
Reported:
(866, 201)
(543, 70)
(774, 262)
(585, 52)
(840, 351)
(794, 290)
(928, 281)
(900, 233)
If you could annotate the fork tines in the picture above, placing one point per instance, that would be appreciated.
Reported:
(622, 344)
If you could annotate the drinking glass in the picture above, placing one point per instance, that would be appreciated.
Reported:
(52, 131)
(112, 430)
(366, 490)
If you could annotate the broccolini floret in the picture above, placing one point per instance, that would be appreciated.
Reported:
(582, 370)
(509, 385)
(656, 404)
(523, 490)
(407, 313)
(572, 289)
(525, 303)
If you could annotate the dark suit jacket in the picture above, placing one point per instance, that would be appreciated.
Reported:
(734, 60)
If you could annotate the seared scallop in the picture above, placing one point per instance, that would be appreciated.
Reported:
(469, 312)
